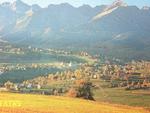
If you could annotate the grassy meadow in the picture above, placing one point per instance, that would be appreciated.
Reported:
(27, 103)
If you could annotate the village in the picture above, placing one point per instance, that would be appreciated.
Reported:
(134, 75)
(28, 87)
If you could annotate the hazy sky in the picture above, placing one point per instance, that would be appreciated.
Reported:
(44, 3)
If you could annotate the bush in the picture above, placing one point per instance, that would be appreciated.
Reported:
(72, 93)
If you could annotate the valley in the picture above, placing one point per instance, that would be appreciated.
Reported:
(64, 58)
(56, 72)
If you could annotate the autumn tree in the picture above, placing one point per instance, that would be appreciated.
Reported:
(72, 92)
(9, 85)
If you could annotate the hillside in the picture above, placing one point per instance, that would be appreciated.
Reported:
(23, 103)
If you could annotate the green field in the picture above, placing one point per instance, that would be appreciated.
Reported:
(18, 76)
(121, 96)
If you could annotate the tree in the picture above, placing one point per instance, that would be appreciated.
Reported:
(9, 85)
(84, 91)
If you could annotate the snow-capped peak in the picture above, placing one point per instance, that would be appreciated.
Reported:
(110, 8)
(146, 8)
(13, 6)
(29, 12)
(5, 4)
(117, 3)
(19, 6)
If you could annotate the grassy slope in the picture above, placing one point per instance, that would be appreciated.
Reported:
(51, 104)
(121, 96)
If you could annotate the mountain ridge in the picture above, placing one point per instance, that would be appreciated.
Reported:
(63, 26)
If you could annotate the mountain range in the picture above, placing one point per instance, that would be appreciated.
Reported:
(117, 30)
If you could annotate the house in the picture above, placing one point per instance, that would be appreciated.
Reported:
(29, 86)
(73, 78)
(1, 72)
(38, 86)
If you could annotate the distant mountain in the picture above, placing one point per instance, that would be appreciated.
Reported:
(117, 30)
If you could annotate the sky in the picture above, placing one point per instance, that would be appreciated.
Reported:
(77, 3)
